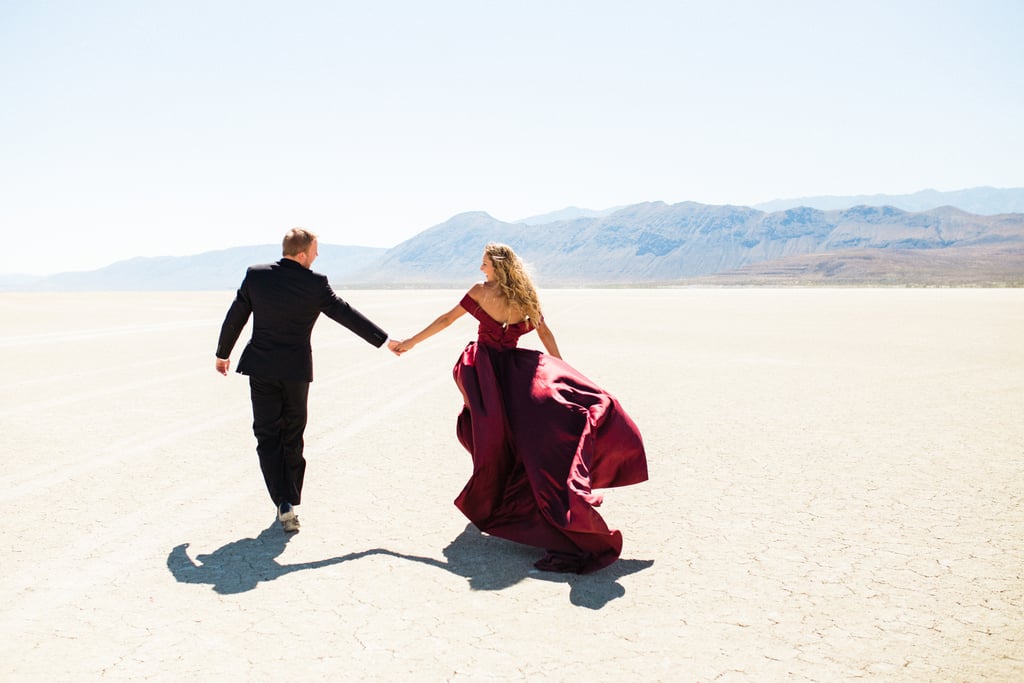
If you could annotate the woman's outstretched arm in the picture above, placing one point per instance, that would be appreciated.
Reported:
(441, 322)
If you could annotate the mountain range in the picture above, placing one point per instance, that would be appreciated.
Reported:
(649, 244)
(985, 201)
(211, 270)
(657, 243)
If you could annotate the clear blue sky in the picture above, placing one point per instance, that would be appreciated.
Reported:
(145, 128)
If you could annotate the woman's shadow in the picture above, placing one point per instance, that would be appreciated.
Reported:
(488, 563)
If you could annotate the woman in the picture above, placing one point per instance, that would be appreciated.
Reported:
(542, 435)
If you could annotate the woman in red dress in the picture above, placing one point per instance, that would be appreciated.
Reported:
(542, 436)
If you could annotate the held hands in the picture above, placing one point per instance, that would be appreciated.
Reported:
(400, 347)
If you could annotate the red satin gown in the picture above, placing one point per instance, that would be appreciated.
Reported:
(542, 437)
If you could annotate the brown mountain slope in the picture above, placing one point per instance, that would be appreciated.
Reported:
(977, 266)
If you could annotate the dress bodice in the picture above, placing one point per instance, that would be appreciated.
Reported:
(491, 332)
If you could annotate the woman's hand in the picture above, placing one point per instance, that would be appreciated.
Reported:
(400, 347)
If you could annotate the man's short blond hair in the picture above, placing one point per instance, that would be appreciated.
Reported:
(297, 241)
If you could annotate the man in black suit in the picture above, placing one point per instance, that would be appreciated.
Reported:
(285, 300)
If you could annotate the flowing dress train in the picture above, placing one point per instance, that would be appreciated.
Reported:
(542, 437)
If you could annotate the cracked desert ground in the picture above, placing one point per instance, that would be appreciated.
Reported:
(835, 494)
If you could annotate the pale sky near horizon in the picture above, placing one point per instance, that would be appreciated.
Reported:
(172, 128)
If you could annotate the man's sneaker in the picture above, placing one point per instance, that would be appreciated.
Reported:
(286, 515)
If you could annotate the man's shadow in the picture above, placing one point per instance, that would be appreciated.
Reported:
(487, 562)
(241, 565)
(491, 563)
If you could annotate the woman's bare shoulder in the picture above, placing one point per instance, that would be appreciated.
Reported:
(477, 291)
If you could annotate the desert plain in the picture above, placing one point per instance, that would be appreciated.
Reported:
(836, 493)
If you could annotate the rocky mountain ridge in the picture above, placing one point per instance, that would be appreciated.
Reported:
(647, 244)
(984, 201)
(659, 243)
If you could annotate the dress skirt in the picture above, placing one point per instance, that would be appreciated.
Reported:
(542, 438)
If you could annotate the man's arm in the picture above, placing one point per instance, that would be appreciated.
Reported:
(235, 320)
(340, 311)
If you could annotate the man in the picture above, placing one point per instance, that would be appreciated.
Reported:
(285, 299)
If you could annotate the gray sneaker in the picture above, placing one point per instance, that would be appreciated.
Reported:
(286, 515)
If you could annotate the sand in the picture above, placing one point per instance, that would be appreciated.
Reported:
(835, 494)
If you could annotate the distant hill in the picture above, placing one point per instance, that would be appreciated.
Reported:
(212, 270)
(659, 243)
(981, 266)
(640, 245)
(984, 201)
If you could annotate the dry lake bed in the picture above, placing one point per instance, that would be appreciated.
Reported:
(836, 493)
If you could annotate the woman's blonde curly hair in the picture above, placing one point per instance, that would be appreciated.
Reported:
(514, 281)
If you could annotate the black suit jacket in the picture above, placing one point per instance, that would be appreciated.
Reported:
(285, 300)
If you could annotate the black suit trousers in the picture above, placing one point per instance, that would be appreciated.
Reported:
(279, 421)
